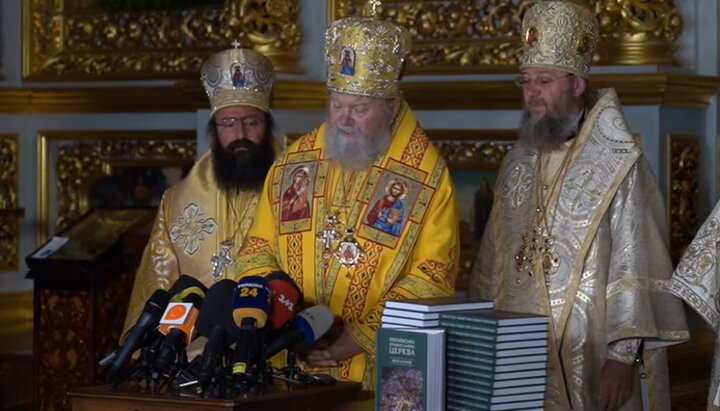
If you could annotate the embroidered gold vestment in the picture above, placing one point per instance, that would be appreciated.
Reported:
(193, 218)
(401, 213)
(610, 261)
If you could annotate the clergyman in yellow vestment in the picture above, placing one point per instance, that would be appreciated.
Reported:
(361, 210)
(203, 218)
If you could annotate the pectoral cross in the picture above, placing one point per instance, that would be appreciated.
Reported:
(329, 235)
(220, 261)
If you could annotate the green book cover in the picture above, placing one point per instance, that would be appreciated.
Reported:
(491, 353)
(455, 390)
(491, 329)
(487, 387)
(410, 366)
(458, 332)
(494, 361)
(460, 365)
(496, 317)
(440, 304)
(453, 340)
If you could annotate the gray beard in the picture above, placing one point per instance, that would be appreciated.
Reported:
(358, 152)
(548, 133)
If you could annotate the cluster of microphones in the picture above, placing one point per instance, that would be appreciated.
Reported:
(245, 323)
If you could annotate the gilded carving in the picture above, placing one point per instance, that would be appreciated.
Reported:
(66, 43)
(473, 149)
(638, 31)
(9, 209)
(484, 36)
(479, 154)
(682, 193)
(91, 155)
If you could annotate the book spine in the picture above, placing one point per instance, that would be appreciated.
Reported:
(472, 319)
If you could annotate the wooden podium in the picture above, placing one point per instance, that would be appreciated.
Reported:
(123, 398)
(81, 295)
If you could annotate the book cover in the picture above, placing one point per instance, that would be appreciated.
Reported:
(455, 392)
(453, 340)
(418, 315)
(482, 388)
(410, 366)
(469, 404)
(496, 317)
(386, 319)
(467, 350)
(494, 337)
(495, 361)
(492, 328)
(460, 365)
(441, 304)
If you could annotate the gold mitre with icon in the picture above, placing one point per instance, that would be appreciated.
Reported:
(365, 56)
(559, 35)
(238, 77)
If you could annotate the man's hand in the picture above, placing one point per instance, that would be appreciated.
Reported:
(328, 352)
(616, 384)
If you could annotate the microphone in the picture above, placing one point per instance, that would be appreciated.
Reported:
(185, 286)
(308, 326)
(251, 306)
(178, 325)
(148, 320)
(286, 296)
(215, 322)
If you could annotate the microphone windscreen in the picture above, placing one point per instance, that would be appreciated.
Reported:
(156, 304)
(285, 298)
(217, 310)
(314, 322)
(185, 286)
(251, 300)
(182, 316)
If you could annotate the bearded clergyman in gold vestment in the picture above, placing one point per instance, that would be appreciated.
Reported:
(577, 231)
(325, 217)
(203, 218)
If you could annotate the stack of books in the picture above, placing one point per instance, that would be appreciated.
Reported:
(425, 313)
(496, 360)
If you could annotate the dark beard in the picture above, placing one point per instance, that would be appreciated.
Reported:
(241, 170)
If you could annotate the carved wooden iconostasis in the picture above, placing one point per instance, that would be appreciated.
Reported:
(9, 206)
(105, 168)
(82, 40)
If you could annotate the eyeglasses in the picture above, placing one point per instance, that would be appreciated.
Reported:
(540, 82)
(251, 123)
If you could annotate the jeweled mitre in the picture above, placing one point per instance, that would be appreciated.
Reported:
(559, 35)
(238, 76)
(365, 56)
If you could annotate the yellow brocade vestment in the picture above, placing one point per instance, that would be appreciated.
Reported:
(602, 277)
(404, 216)
(193, 218)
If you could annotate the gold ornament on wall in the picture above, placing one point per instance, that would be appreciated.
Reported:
(457, 36)
(85, 157)
(64, 41)
(9, 209)
(683, 176)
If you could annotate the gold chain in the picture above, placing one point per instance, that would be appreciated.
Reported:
(543, 204)
(238, 222)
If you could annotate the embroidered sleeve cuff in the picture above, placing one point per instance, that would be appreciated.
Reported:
(367, 344)
(624, 351)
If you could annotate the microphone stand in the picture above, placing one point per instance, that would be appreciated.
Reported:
(294, 375)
